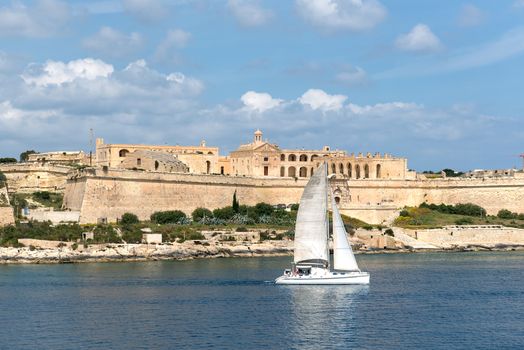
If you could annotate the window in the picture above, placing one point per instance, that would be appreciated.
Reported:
(282, 171)
(303, 172)
(303, 158)
(138, 161)
(292, 158)
(222, 170)
(378, 171)
(123, 153)
(266, 159)
(291, 172)
(282, 157)
(266, 171)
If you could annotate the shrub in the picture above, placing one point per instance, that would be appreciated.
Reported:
(7, 160)
(241, 229)
(199, 213)
(25, 155)
(42, 195)
(129, 219)
(294, 207)
(464, 221)
(168, 217)
(506, 214)
(74, 246)
(389, 232)
(367, 227)
(225, 213)
(263, 209)
(404, 213)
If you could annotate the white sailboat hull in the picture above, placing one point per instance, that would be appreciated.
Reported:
(328, 277)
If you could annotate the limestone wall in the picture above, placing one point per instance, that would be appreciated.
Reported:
(55, 217)
(31, 177)
(109, 194)
(451, 236)
(6, 216)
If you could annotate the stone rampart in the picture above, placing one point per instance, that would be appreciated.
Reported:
(98, 194)
(55, 217)
(31, 177)
(109, 194)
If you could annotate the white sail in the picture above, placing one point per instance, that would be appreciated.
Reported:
(311, 229)
(343, 257)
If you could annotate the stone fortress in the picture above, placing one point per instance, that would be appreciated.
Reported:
(142, 179)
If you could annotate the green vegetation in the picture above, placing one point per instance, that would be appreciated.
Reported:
(467, 209)
(168, 217)
(447, 171)
(37, 199)
(506, 214)
(201, 213)
(25, 155)
(235, 206)
(435, 216)
(129, 219)
(7, 160)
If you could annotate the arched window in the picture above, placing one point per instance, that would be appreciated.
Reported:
(378, 171)
(341, 168)
(208, 167)
(303, 158)
(123, 153)
(282, 157)
(156, 164)
(357, 171)
(210, 153)
(337, 200)
(222, 170)
(282, 171)
(313, 157)
(366, 171)
(303, 172)
(291, 171)
(292, 158)
(350, 170)
(333, 168)
(312, 171)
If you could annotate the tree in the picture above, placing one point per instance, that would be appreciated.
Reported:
(25, 155)
(129, 218)
(7, 160)
(235, 205)
(263, 209)
(199, 213)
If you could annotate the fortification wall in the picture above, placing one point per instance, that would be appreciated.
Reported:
(31, 177)
(98, 194)
(110, 194)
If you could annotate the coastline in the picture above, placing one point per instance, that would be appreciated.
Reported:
(191, 250)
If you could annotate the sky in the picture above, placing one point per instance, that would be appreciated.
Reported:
(440, 83)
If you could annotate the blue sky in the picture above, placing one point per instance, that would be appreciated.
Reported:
(438, 82)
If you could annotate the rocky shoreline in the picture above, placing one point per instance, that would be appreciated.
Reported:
(190, 250)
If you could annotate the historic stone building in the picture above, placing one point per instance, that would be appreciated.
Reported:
(154, 161)
(200, 159)
(261, 158)
(61, 157)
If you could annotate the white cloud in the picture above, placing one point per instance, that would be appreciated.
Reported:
(146, 10)
(318, 99)
(333, 15)
(259, 101)
(249, 13)
(175, 39)
(111, 42)
(471, 16)
(44, 18)
(419, 39)
(56, 72)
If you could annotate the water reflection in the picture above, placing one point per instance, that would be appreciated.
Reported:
(324, 314)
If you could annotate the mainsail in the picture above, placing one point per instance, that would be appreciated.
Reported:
(311, 229)
(343, 257)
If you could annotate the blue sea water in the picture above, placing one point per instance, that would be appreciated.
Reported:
(415, 301)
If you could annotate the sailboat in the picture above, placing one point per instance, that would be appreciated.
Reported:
(311, 251)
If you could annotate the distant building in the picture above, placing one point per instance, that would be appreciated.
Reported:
(60, 157)
(261, 158)
(154, 161)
